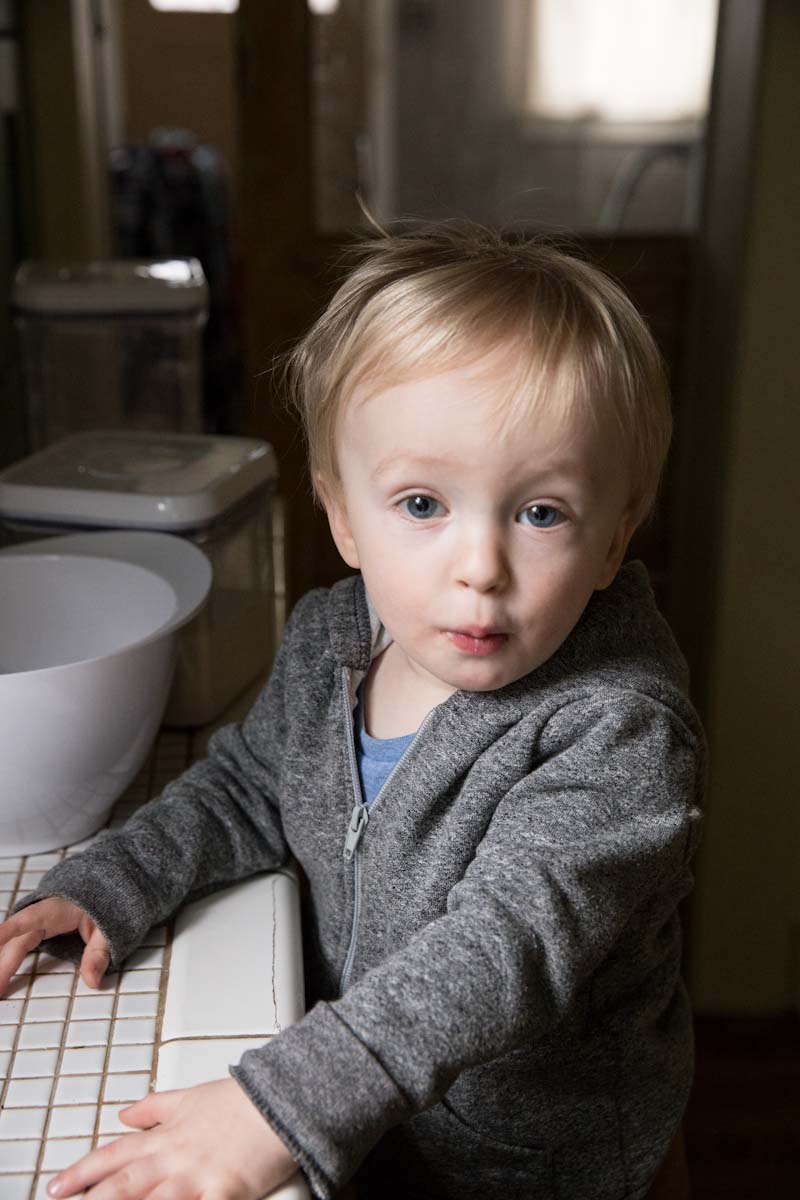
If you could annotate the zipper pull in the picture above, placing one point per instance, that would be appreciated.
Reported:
(358, 823)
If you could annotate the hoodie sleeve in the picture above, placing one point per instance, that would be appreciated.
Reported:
(590, 842)
(217, 823)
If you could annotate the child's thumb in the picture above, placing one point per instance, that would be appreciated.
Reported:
(154, 1109)
(95, 959)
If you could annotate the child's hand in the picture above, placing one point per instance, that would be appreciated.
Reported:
(206, 1141)
(23, 932)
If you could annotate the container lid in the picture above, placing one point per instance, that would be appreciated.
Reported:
(166, 481)
(110, 286)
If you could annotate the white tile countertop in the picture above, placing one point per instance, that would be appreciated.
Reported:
(184, 1007)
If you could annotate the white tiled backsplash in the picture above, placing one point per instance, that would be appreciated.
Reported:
(185, 1006)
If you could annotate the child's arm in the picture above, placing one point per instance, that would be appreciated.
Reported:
(216, 824)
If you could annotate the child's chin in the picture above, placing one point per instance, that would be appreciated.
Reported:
(486, 679)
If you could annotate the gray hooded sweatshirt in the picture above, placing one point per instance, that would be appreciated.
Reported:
(494, 971)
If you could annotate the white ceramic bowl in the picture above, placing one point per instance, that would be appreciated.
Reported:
(88, 626)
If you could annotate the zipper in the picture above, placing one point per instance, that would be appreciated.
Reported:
(359, 819)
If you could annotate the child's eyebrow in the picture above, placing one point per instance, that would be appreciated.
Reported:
(404, 462)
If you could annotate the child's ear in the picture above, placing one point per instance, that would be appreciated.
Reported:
(616, 550)
(332, 497)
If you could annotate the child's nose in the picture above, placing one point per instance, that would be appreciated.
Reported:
(483, 562)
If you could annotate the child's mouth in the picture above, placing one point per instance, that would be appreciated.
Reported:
(479, 644)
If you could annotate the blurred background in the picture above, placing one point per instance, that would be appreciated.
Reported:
(661, 137)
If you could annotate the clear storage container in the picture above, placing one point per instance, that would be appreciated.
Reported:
(113, 344)
(215, 491)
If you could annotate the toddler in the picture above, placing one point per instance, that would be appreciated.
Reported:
(479, 749)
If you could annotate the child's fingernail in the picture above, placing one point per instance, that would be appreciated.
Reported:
(54, 1187)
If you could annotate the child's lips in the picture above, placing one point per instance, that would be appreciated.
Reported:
(477, 641)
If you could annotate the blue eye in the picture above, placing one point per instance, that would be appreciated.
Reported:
(420, 507)
(541, 516)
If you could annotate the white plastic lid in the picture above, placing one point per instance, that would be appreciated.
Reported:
(110, 286)
(166, 481)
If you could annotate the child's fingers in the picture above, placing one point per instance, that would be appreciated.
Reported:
(50, 917)
(13, 929)
(96, 956)
(23, 932)
(22, 922)
(13, 953)
(125, 1168)
(179, 1189)
(153, 1109)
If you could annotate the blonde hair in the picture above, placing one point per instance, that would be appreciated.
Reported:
(422, 300)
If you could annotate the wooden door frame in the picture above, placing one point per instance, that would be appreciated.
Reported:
(704, 429)
(283, 284)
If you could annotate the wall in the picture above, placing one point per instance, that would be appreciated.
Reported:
(179, 69)
(746, 919)
(465, 144)
(64, 228)
(15, 222)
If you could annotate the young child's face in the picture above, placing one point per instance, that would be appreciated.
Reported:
(479, 540)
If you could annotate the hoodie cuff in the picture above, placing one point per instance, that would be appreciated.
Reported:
(324, 1093)
(118, 910)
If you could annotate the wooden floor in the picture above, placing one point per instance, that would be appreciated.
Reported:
(743, 1121)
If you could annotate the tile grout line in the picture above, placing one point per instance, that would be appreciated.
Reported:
(162, 1001)
(188, 756)
(104, 1072)
(218, 1037)
(18, 1033)
(15, 1043)
(274, 952)
(169, 930)
(11, 1060)
(35, 1178)
(82, 1020)
(56, 1073)
(150, 787)
(54, 1085)
(167, 765)
(117, 985)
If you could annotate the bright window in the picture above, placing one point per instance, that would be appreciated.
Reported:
(620, 60)
(197, 6)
